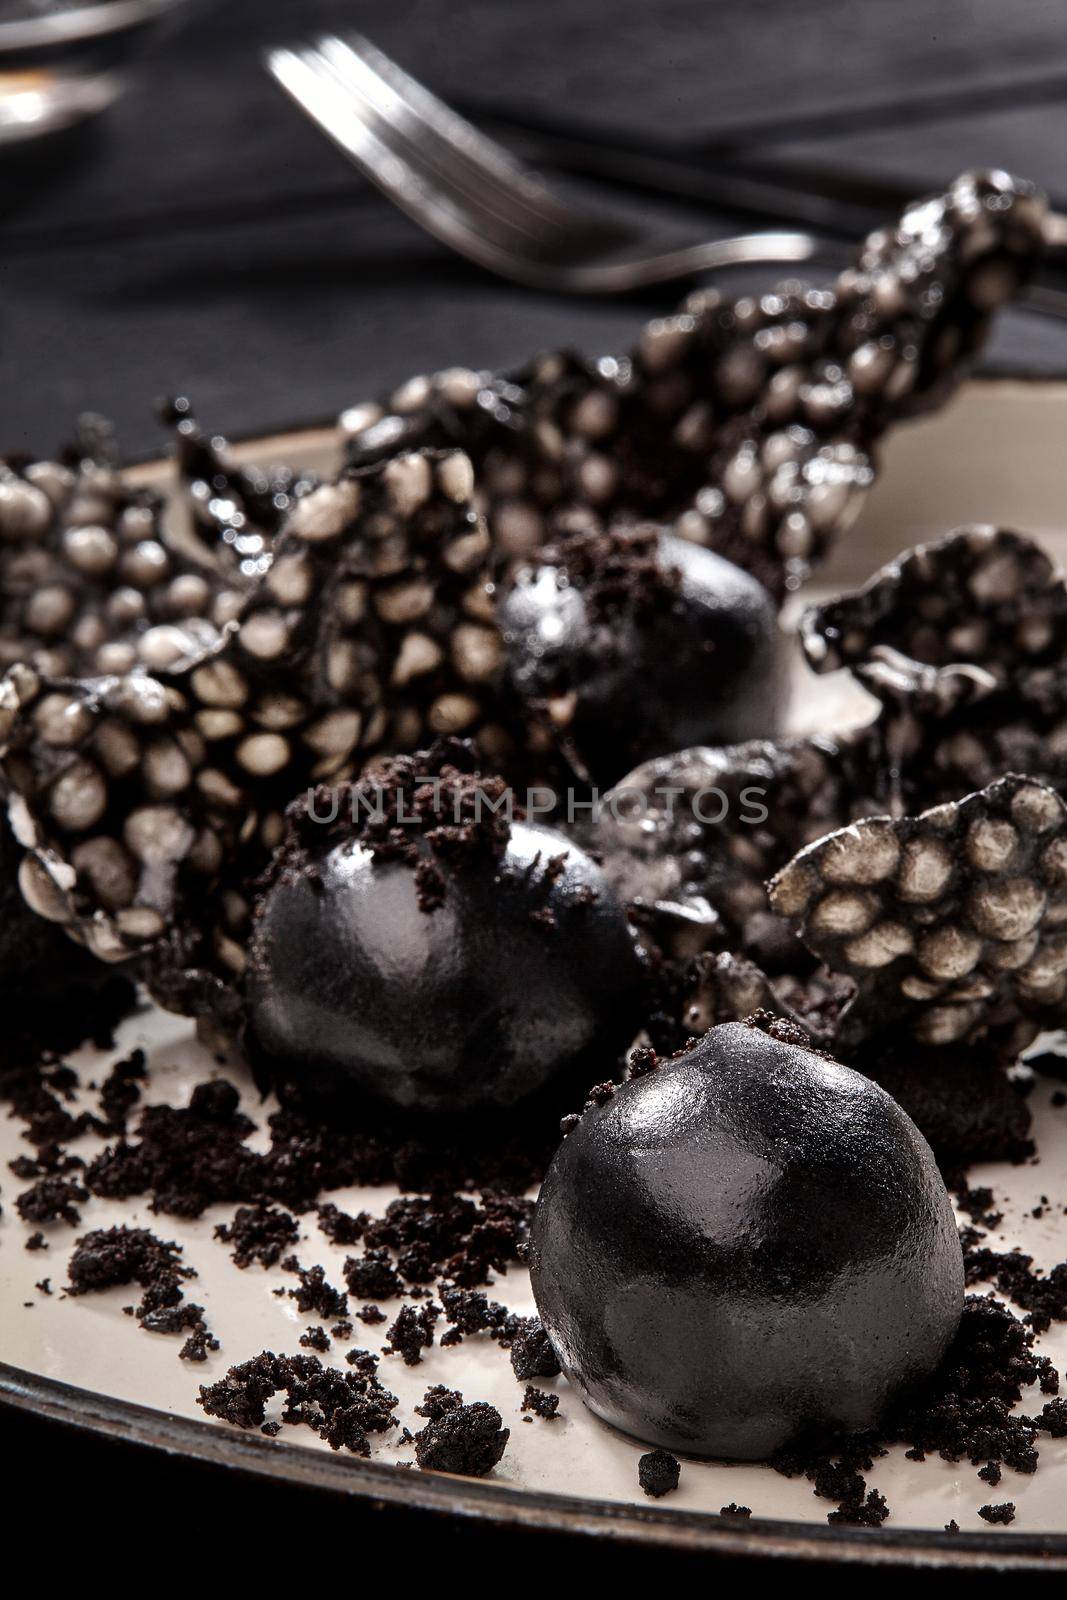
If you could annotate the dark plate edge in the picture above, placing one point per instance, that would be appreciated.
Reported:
(383, 1485)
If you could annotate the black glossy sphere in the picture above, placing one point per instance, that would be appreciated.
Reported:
(525, 966)
(746, 1241)
(699, 663)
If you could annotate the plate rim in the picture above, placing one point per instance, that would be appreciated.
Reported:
(502, 1505)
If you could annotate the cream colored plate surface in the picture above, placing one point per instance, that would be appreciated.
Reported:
(995, 455)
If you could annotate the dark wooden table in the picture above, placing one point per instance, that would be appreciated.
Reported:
(204, 238)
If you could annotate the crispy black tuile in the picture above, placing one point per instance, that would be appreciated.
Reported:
(883, 342)
(961, 641)
(723, 988)
(654, 1274)
(177, 781)
(980, 595)
(690, 839)
(951, 923)
(631, 643)
(235, 510)
(93, 580)
(752, 422)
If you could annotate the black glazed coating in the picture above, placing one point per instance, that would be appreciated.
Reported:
(701, 666)
(477, 1002)
(749, 1240)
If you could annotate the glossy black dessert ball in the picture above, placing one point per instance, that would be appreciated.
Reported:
(637, 643)
(471, 997)
(748, 1241)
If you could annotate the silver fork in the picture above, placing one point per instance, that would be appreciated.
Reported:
(473, 195)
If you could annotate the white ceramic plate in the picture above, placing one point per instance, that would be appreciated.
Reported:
(994, 455)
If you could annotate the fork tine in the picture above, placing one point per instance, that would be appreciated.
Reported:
(522, 193)
(485, 205)
(355, 129)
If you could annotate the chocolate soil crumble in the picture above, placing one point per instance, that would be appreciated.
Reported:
(166, 709)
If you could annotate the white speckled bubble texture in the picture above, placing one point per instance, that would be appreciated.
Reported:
(935, 477)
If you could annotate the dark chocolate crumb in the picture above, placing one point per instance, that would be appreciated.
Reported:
(532, 1355)
(121, 1090)
(316, 1295)
(438, 1401)
(1003, 1513)
(541, 1404)
(343, 1408)
(869, 1513)
(338, 1226)
(1043, 1296)
(1052, 1419)
(471, 1311)
(735, 1511)
(315, 1339)
(642, 1061)
(258, 1233)
(111, 1257)
(373, 1274)
(412, 1332)
(658, 1473)
(198, 1344)
(52, 1200)
(468, 1440)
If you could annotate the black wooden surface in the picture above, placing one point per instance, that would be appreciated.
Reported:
(204, 238)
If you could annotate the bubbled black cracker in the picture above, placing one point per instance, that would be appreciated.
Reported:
(92, 578)
(961, 641)
(690, 839)
(725, 988)
(751, 423)
(952, 924)
(145, 798)
(235, 509)
(981, 595)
